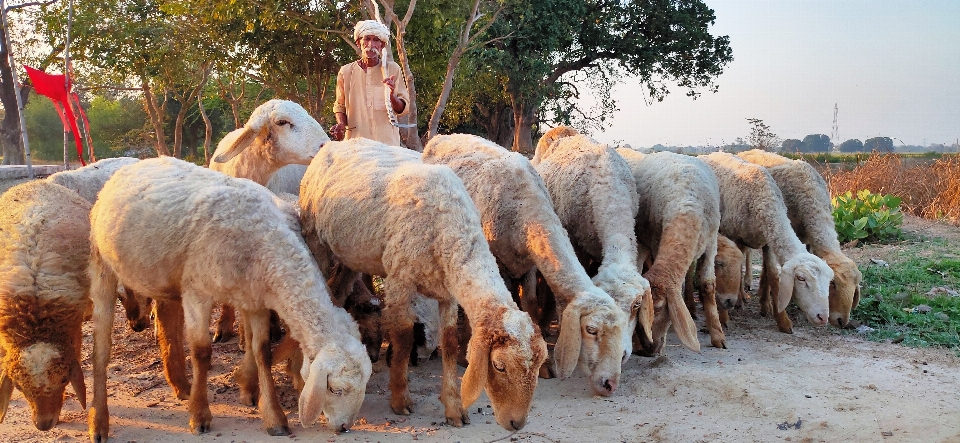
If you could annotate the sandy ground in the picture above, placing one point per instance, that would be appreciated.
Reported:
(817, 385)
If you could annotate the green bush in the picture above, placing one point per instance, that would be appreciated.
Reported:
(867, 216)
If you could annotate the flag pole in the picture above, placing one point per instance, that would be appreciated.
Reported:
(16, 88)
(66, 80)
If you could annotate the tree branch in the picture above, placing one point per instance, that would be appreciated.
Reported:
(24, 5)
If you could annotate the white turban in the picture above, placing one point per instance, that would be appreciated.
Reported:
(371, 27)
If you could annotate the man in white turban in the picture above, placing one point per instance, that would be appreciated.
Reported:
(361, 103)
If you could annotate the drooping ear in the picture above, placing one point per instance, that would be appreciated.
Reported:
(314, 395)
(475, 377)
(6, 390)
(244, 140)
(79, 387)
(786, 288)
(856, 298)
(645, 313)
(683, 323)
(567, 350)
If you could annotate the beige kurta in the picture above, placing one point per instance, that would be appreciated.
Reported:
(360, 95)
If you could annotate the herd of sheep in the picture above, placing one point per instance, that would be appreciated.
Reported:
(474, 244)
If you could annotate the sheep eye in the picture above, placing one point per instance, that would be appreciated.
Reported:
(335, 391)
(591, 330)
(64, 381)
(499, 366)
(801, 278)
(283, 123)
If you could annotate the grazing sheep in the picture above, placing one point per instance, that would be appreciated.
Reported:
(88, 180)
(729, 284)
(43, 296)
(379, 210)
(595, 196)
(169, 229)
(811, 215)
(753, 214)
(525, 236)
(278, 133)
(677, 222)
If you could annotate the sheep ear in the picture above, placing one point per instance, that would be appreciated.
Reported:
(79, 387)
(645, 313)
(6, 390)
(313, 398)
(683, 323)
(786, 288)
(567, 350)
(475, 377)
(245, 139)
(856, 297)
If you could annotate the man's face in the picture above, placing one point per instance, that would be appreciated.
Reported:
(370, 46)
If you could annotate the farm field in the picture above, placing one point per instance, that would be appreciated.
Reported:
(819, 384)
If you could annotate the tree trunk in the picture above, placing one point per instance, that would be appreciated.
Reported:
(523, 121)
(10, 126)
(497, 122)
(409, 136)
(156, 114)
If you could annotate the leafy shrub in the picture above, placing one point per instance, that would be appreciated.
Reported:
(867, 216)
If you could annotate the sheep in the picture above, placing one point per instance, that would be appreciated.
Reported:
(169, 229)
(43, 296)
(380, 211)
(88, 180)
(729, 284)
(595, 195)
(287, 179)
(278, 133)
(525, 236)
(811, 215)
(677, 222)
(753, 214)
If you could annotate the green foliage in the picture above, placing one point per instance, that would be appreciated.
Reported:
(867, 216)
(893, 296)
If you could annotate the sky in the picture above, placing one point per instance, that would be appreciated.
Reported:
(892, 68)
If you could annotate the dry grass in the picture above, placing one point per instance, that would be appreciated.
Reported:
(928, 190)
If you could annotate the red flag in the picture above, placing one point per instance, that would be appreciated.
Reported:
(55, 88)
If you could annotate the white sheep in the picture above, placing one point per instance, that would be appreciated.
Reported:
(729, 277)
(753, 214)
(811, 215)
(677, 222)
(88, 180)
(525, 236)
(379, 210)
(287, 179)
(167, 228)
(278, 133)
(44, 246)
(595, 196)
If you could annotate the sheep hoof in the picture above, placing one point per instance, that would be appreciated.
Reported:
(200, 428)
(222, 335)
(278, 431)
(457, 422)
(404, 410)
(248, 399)
(719, 343)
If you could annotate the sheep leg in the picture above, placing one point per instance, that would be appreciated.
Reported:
(463, 336)
(724, 317)
(450, 392)
(169, 314)
(688, 298)
(224, 329)
(246, 375)
(289, 350)
(103, 292)
(196, 312)
(747, 276)
(708, 298)
(274, 420)
(398, 317)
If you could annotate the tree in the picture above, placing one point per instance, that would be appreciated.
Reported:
(761, 137)
(545, 43)
(882, 144)
(852, 145)
(816, 143)
(791, 145)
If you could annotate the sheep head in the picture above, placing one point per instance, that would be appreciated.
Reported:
(591, 334)
(137, 309)
(806, 278)
(727, 267)
(335, 382)
(844, 289)
(286, 133)
(632, 293)
(41, 372)
(505, 354)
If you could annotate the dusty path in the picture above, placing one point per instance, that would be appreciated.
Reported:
(819, 384)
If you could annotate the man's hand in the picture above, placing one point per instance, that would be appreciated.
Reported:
(337, 131)
(391, 82)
